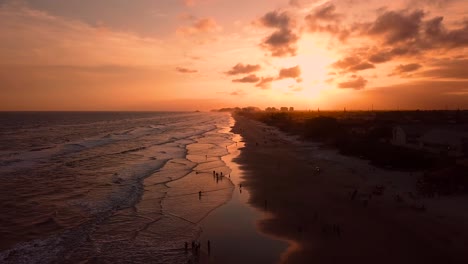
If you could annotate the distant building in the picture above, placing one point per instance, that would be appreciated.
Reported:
(408, 136)
(251, 109)
(440, 140)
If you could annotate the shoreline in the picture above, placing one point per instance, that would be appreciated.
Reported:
(231, 228)
(316, 210)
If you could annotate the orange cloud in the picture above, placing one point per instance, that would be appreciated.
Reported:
(450, 68)
(397, 26)
(281, 42)
(293, 72)
(243, 69)
(396, 34)
(352, 64)
(252, 78)
(202, 25)
(357, 83)
(265, 82)
(185, 70)
(326, 19)
(403, 69)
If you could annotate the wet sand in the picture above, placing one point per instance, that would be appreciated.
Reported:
(318, 210)
(231, 228)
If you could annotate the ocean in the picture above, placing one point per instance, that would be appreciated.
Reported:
(108, 187)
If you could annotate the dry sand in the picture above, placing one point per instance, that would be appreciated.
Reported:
(315, 209)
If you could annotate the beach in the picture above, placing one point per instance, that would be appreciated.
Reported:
(340, 209)
(139, 187)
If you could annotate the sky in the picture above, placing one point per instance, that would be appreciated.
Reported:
(206, 54)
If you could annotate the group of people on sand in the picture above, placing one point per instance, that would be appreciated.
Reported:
(216, 175)
(219, 176)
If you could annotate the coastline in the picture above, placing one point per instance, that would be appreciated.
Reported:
(231, 228)
(316, 210)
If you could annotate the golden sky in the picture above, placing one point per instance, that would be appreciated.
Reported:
(205, 54)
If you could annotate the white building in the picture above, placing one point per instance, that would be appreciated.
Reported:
(450, 141)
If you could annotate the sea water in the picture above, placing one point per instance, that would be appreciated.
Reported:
(84, 187)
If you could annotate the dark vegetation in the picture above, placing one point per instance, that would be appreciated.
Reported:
(368, 135)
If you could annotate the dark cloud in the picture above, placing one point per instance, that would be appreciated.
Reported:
(436, 35)
(402, 35)
(403, 69)
(282, 42)
(352, 64)
(252, 78)
(243, 69)
(265, 82)
(448, 69)
(326, 19)
(356, 83)
(327, 12)
(185, 70)
(276, 19)
(380, 57)
(362, 66)
(385, 55)
(434, 26)
(407, 33)
(346, 62)
(397, 26)
(293, 72)
(393, 34)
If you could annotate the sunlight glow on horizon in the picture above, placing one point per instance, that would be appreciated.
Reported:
(160, 55)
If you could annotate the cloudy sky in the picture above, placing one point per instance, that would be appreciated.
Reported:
(205, 54)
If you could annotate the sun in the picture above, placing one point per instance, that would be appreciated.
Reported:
(314, 60)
